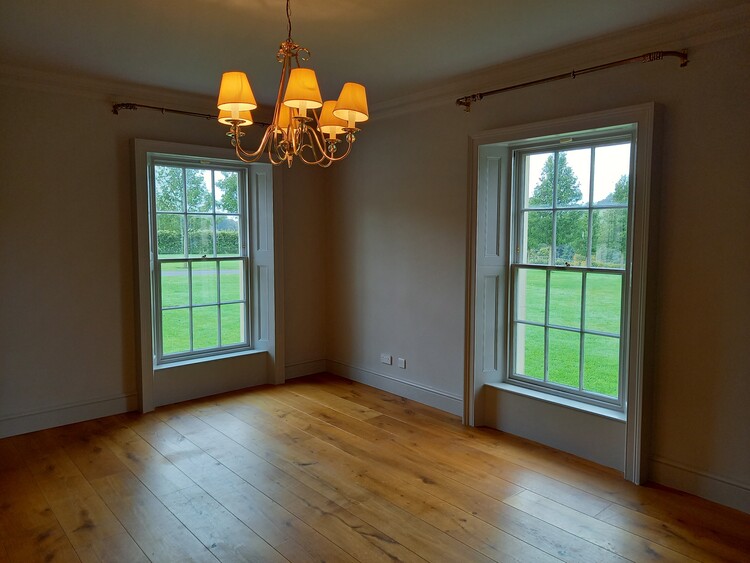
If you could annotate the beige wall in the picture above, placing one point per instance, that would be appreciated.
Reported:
(67, 279)
(397, 212)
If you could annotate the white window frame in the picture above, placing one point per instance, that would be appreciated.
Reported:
(482, 376)
(618, 135)
(244, 212)
(263, 361)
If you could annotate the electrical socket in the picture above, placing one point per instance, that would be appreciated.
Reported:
(386, 359)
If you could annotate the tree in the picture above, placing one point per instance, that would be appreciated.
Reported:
(610, 236)
(169, 189)
(172, 184)
(571, 225)
(227, 185)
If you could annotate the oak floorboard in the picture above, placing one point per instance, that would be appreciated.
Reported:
(487, 474)
(515, 526)
(327, 469)
(723, 527)
(609, 537)
(88, 523)
(225, 536)
(692, 540)
(329, 466)
(339, 526)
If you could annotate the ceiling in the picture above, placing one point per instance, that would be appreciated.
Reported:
(394, 47)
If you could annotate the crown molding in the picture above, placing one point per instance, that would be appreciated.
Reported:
(676, 34)
(101, 89)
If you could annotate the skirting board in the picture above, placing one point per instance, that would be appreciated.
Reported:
(712, 487)
(300, 369)
(66, 414)
(420, 393)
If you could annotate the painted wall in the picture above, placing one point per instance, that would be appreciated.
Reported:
(397, 213)
(67, 277)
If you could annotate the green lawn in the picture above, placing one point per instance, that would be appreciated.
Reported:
(602, 314)
(208, 287)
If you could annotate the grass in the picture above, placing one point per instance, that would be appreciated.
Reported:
(601, 314)
(213, 324)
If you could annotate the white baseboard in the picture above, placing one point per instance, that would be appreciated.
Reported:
(300, 369)
(712, 487)
(415, 391)
(40, 419)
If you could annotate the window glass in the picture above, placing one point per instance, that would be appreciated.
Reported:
(538, 237)
(601, 364)
(571, 225)
(531, 291)
(530, 350)
(573, 177)
(199, 227)
(611, 170)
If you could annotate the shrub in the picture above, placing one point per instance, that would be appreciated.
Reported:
(200, 242)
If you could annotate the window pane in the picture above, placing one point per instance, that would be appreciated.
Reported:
(205, 327)
(564, 357)
(601, 364)
(200, 236)
(603, 302)
(610, 238)
(175, 328)
(225, 187)
(530, 351)
(228, 235)
(170, 235)
(174, 284)
(531, 295)
(565, 299)
(199, 194)
(232, 281)
(540, 178)
(611, 170)
(572, 238)
(169, 188)
(573, 174)
(538, 235)
(204, 283)
(232, 324)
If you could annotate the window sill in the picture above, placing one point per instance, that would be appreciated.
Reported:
(213, 358)
(560, 401)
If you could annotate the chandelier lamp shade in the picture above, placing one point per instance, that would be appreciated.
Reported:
(303, 125)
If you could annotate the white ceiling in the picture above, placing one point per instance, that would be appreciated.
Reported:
(394, 47)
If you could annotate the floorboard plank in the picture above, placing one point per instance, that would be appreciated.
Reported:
(324, 469)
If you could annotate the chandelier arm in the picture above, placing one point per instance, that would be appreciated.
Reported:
(346, 153)
(321, 148)
(271, 158)
(311, 134)
(244, 154)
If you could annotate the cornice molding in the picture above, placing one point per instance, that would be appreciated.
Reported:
(689, 32)
(101, 89)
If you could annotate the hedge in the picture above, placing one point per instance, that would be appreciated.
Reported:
(200, 242)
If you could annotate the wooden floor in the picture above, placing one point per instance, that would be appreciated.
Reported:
(323, 469)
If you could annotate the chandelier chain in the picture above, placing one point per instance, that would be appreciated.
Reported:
(288, 20)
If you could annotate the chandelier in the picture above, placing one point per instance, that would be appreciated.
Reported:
(314, 138)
